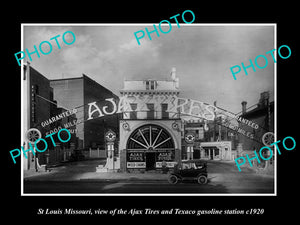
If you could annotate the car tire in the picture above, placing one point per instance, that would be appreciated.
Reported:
(202, 179)
(173, 179)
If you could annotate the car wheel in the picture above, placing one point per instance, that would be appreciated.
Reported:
(173, 179)
(202, 179)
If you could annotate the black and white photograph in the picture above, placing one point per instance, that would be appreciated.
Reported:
(144, 112)
(166, 114)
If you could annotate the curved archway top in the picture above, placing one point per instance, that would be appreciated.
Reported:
(150, 137)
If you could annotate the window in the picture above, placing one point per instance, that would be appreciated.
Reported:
(150, 85)
(217, 153)
(150, 113)
(164, 113)
(197, 133)
(150, 137)
(147, 85)
(206, 152)
(133, 114)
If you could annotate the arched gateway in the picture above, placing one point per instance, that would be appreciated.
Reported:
(148, 146)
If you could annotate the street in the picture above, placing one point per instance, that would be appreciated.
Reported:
(140, 187)
(79, 177)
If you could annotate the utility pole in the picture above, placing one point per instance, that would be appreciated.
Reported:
(214, 131)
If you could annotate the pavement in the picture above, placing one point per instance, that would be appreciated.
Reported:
(81, 177)
(86, 171)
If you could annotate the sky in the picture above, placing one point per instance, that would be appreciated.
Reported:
(202, 55)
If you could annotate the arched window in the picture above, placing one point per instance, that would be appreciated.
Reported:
(150, 137)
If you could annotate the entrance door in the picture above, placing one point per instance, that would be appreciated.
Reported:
(150, 138)
(150, 160)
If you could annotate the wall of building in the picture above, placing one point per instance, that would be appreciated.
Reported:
(37, 108)
(94, 130)
(69, 95)
(40, 110)
(77, 93)
(258, 116)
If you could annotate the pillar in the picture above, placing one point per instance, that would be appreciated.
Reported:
(178, 156)
(123, 160)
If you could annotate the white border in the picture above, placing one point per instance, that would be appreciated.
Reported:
(151, 24)
(22, 113)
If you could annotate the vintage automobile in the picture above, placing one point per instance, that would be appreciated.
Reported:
(189, 170)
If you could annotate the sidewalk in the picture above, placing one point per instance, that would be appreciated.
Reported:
(85, 171)
(94, 176)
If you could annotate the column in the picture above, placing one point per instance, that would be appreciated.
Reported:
(123, 160)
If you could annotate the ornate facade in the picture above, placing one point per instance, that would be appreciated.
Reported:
(149, 133)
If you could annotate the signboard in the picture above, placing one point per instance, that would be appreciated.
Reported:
(176, 107)
(169, 164)
(189, 138)
(136, 164)
(164, 156)
(110, 136)
(135, 156)
(136, 159)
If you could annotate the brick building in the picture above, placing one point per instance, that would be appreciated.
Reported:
(76, 93)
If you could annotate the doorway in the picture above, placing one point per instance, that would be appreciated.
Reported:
(150, 160)
(211, 153)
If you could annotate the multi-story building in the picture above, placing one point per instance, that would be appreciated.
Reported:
(258, 121)
(75, 94)
(261, 117)
(149, 134)
(36, 108)
(50, 105)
